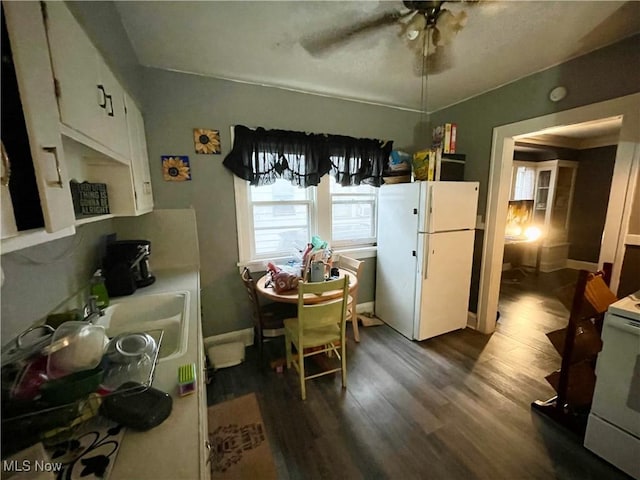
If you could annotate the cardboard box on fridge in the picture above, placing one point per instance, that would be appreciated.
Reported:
(424, 164)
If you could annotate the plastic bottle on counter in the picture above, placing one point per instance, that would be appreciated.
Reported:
(99, 289)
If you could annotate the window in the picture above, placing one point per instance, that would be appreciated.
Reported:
(278, 219)
(523, 182)
(282, 218)
(353, 214)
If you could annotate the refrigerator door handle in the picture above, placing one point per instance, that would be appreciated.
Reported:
(427, 252)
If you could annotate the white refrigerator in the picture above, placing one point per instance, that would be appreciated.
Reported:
(425, 254)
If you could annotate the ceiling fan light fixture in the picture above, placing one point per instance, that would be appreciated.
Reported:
(414, 27)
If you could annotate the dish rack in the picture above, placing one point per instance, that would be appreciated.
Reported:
(25, 422)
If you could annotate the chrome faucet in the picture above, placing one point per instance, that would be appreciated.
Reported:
(91, 309)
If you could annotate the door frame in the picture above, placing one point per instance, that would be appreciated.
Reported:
(623, 187)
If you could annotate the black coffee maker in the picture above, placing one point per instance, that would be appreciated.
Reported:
(126, 267)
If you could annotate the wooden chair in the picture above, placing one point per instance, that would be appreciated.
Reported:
(268, 317)
(355, 267)
(318, 329)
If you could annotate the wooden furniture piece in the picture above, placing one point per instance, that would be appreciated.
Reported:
(265, 289)
(355, 267)
(579, 345)
(554, 188)
(267, 319)
(318, 328)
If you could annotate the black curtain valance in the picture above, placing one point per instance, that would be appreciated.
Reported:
(261, 156)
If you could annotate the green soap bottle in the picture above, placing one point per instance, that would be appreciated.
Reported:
(99, 290)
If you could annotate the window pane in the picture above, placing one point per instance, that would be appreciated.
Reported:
(335, 188)
(280, 228)
(353, 220)
(525, 182)
(353, 213)
(280, 190)
(280, 218)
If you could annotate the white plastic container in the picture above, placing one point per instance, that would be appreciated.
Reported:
(226, 354)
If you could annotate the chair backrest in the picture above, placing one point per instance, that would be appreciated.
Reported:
(250, 287)
(353, 266)
(330, 312)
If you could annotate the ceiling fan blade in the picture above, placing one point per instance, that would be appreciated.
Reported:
(320, 43)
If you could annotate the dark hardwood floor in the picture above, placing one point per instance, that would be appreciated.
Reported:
(453, 407)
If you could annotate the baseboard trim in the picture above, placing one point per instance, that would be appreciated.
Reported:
(245, 336)
(581, 265)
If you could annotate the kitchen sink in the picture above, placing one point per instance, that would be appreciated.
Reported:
(149, 313)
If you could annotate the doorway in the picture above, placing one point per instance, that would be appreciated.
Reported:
(626, 109)
(557, 207)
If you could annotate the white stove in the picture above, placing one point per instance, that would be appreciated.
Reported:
(628, 307)
(613, 430)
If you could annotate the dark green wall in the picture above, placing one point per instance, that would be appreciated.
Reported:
(590, 201)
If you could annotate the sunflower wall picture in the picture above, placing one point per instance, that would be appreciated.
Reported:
(206, 141)
(175, 168)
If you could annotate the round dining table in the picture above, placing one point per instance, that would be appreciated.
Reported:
(267, 290)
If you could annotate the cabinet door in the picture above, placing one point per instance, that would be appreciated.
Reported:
(76, 64)
(35, 83)
(115, 120)
(139, 158)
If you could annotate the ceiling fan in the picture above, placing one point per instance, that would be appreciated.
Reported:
(428, 27)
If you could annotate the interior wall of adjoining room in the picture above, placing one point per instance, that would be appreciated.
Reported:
(590, 200)
(590, 197)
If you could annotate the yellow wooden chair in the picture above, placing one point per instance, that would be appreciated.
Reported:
(319, 328)
(355, 267)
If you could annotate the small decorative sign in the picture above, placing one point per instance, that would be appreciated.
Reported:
(206, 141)
(175, 168)
(89, 199)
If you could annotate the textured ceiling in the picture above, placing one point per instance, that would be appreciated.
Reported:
(259, 42)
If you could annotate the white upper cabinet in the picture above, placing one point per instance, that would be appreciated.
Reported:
(90, 98)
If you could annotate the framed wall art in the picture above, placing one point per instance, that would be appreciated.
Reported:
(206, 141)
(176, 168)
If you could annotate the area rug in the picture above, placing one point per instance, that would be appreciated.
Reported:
(239, 445)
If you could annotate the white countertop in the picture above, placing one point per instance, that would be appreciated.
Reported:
(628, 307)
(174, 450)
